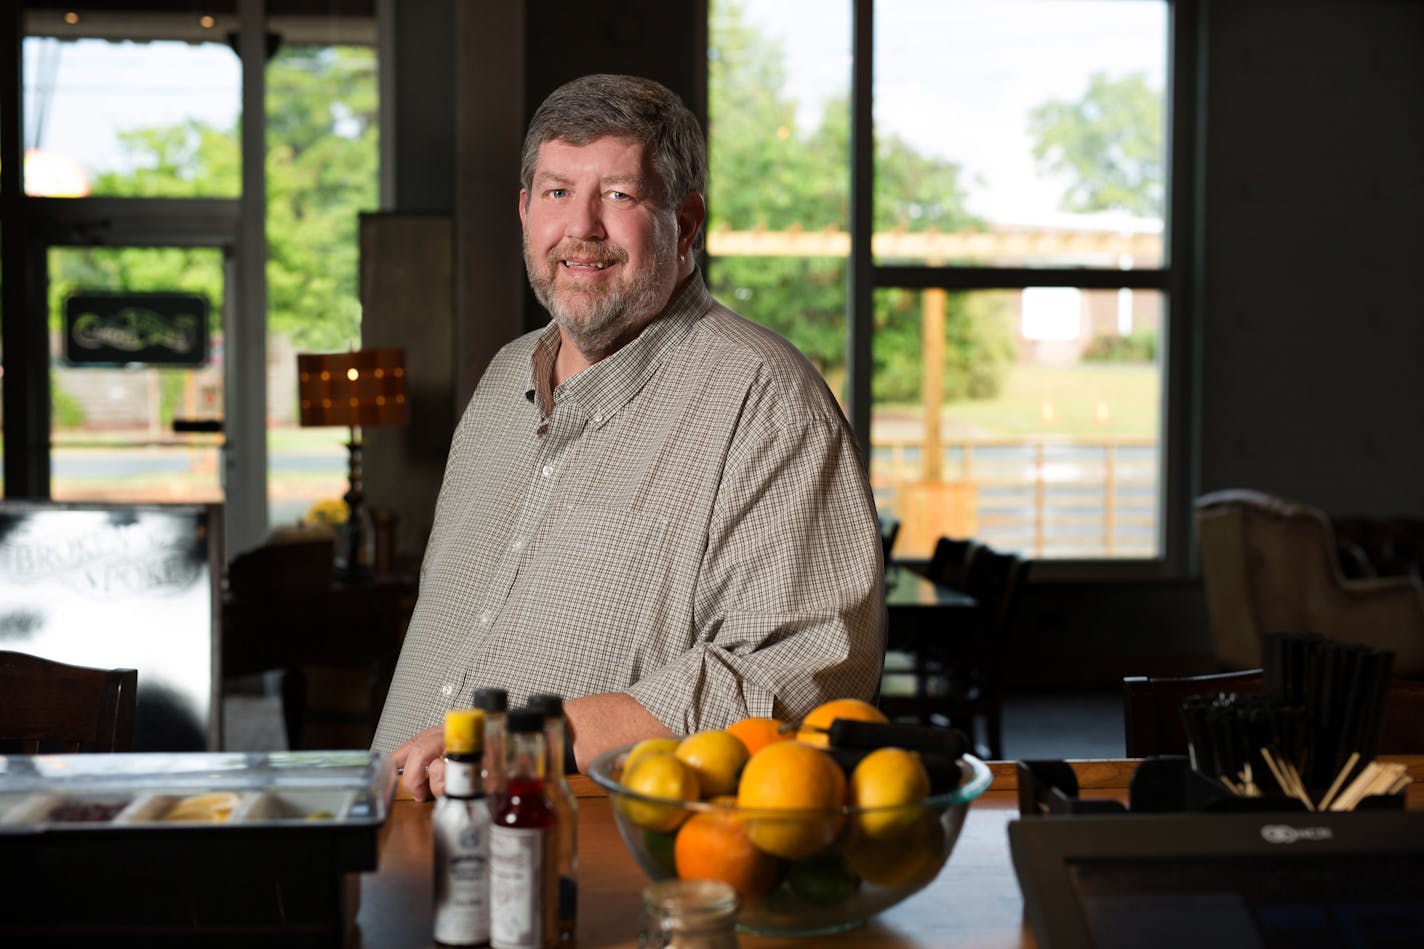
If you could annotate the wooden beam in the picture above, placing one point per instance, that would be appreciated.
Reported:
(1049, 244)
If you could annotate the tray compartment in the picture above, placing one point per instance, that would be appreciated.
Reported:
(296, 806)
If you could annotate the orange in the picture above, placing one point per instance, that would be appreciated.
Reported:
(713, 845)
(662, 776)
(893, 782)
(756, 733)
(717, 757)
(790, 775)
(814, 725)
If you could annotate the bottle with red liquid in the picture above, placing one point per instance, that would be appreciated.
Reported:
(524, 843)
(565, 807)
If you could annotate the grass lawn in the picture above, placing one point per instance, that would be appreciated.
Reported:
(1084, 400)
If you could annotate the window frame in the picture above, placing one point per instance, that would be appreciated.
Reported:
(1179, 425)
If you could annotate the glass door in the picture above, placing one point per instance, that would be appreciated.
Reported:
(136, 378)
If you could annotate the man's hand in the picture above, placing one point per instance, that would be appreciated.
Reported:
(600, 722)
(423, 758)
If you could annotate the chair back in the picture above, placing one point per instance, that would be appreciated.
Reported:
(1270, 566)
(950, 562)
(42, 701)
(994, 578)
(1152, 718)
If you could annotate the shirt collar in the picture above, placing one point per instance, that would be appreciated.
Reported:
(606, 386)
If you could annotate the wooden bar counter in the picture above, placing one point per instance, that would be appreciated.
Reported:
(974, 902)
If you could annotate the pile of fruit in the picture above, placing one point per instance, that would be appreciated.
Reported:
(790, 805)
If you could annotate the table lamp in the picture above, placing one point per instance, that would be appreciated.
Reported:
(357, 388)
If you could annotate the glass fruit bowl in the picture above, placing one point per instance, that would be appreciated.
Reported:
(796, 872)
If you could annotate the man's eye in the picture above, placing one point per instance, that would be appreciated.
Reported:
(620, 196)
(557, 192)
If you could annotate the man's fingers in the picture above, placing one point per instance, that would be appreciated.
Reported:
(417, 756)
(436, 774)
(415, 780)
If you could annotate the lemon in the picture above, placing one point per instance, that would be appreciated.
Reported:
(717, 757)
(214, 806)
(647, 746)
(815, 724)
(788, 775)
(658, 775)
(912, 858)
(893, 781)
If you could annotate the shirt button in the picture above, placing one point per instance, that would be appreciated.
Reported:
(598, 420)
(484, 619)
(447, 690)
(548, 470)
(518, 544)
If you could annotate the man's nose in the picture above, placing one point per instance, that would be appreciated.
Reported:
(586, 218)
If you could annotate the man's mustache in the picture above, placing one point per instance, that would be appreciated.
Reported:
(597, 251)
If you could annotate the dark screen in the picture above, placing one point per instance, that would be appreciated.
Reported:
(1335, 902)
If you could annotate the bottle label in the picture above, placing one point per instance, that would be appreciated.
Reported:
(520, 897)
(462, 778)
(462, 871)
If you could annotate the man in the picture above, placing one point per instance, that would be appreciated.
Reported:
(652, 507)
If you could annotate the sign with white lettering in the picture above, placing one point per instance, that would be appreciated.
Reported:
(163, 329)
(133, 586)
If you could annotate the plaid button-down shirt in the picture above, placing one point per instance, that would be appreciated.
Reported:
(691, 524)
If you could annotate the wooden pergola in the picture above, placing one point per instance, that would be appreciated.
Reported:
(1003, 243)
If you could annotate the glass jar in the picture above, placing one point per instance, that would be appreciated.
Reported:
(688, 914)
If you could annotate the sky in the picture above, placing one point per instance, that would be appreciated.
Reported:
(955, 78)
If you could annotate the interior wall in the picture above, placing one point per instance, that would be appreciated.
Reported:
(1311, 320)
(1306, 315)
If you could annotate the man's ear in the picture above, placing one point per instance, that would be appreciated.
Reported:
(691, 214)
(523, 205)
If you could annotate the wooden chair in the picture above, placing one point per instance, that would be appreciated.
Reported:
(949, 564)
(42, 701)
(1152, 720)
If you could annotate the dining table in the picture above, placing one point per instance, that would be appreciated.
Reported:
(974, 902)
(919, 608)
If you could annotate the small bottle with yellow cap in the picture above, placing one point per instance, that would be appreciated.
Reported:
(461, 827)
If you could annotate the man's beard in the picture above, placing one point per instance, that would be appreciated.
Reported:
(600, 318)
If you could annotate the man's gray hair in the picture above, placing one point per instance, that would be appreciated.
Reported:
(625, 107)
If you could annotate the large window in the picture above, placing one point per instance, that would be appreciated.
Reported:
(1016, 247)
(139, 117)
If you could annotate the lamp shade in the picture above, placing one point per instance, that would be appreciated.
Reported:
(361, 387)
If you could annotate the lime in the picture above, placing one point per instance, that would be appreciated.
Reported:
(821, 880)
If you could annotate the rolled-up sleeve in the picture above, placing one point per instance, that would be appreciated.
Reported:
(789, 603)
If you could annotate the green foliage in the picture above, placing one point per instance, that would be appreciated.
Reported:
(979, 348)
(171, 383)
(768, 173)
(182, 269)
(1108, 143)
(1140, 346)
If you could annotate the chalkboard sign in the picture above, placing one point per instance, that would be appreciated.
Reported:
(164, 329)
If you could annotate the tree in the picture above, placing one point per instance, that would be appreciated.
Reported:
(798, 179)
(1108, 143)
